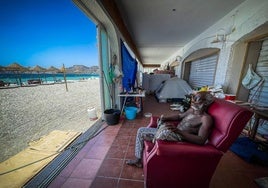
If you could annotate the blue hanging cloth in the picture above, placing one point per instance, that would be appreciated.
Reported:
(129, 66)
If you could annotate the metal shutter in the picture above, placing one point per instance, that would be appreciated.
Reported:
(259, 95)
(202, 71)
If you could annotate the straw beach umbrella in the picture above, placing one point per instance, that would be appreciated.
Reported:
(17, 69)
(38, 69)
(53, 70)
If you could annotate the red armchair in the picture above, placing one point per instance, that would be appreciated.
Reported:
(181, 164)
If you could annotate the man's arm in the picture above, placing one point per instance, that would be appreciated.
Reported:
(203, 132)
(177, 117)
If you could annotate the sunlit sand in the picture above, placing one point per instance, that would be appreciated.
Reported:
(27, 113)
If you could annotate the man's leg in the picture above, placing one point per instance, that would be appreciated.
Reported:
(143, 133)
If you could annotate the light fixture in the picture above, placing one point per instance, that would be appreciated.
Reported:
(219, 38)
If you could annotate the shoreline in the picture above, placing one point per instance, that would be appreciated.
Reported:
(29, 79)
(28, 113)
(43, 83)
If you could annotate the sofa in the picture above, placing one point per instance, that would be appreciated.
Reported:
(182, 164)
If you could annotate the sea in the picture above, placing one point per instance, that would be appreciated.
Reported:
(14, 78)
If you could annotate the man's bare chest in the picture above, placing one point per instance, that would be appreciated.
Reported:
(190, 121)
(192, 118)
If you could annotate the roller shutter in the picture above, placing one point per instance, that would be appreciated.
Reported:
(259, 95)
(202, 71)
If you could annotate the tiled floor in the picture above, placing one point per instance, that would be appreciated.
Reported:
(101, 163)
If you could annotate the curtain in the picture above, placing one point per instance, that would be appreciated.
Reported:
(129, 66)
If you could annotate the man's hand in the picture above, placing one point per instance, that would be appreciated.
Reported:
(160, 121)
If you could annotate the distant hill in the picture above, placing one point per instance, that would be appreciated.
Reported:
(74, 69)
(83, 69)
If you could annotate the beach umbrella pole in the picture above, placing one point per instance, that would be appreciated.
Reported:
(64, 75)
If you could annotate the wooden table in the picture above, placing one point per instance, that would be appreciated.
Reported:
(258, 114)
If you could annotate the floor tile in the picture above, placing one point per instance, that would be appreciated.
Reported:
(132, 141)
(130, 172)
(113, 129)
(57, 182)
(105, 140)
(97, 152)
(75, 182)
(86, 169)
(130, 184)
(110, 168)
(118, 152)
(103, 182)
(121, 140)
(130, 152)
(87, 147)
(127, 131)
(68, 170)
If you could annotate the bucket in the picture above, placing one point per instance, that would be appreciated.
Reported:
(131, 112)
(112, 116)
(92, 113)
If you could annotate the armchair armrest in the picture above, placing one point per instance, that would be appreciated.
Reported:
(165, 148)
(153, 122)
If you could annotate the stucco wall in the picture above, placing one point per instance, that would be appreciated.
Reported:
(238, 23)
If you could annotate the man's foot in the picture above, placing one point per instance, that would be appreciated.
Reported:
(135, 162)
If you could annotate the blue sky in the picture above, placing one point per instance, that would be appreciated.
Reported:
(46, 33)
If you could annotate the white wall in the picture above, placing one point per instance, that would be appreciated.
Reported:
(243, 19)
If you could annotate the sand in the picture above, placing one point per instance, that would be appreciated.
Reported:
(28, 113)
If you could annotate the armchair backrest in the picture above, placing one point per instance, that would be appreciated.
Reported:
(229, 120)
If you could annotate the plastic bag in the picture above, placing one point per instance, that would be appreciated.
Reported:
(251, 79)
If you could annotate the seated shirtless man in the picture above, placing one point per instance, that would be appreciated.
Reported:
(195, 126)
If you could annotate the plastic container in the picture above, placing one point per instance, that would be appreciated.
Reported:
(131, 112)
(147, 114)
(230, 97)
(112, 116)
(92, 113)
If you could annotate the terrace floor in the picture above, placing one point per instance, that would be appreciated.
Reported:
(101, 162)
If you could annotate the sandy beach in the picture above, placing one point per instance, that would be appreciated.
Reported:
(27, 113)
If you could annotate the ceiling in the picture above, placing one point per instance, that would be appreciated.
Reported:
(159, 28)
